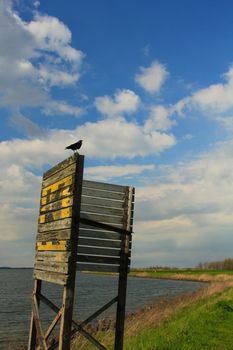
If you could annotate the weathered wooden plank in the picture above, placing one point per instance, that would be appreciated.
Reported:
(57, 195)
(52, 235)
(53, 324)
(124, 269)
(61, 174)
(101, 210)
(90, 224)
(98, 251)
(103, 218)
(97, 268)
(104, 186)
(67, 181)
(52, 266)
(40, 334)
(32, 330)
(51, 256)
(55, 225)
(98, 259)
(53, 277)
(98, 243)
(102, 202)
(61, 245)
(55, 215)
(68, 293)
(99, 234)
(103, 194)
(60, 204)
(60, 166)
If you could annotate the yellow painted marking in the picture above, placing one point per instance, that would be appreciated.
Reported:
(55, 186)
(51, 245)
(65, 202)
(55, 215)
(51, 197)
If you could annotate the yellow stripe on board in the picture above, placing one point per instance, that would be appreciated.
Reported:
(63, 203)
(55, 215)
(56, 196)
(53, 245)
(67, 181)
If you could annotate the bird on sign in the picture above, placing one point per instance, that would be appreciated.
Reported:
(75, 146)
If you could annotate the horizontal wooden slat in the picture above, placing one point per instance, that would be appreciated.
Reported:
(99, 243)
(55, 225)
(104, 186)
(103, 194)
(98, 259)
(60, 204)
(97, 268)
(53, 256)
(101, 210)
(94, 225)
(52, 266)
(70, 170)
(103, 202)
(60, 245)
(55, 215)
(51, 235)
(103, 218)
(99, 234)
(99, 251)
(53, 277)
(57, 195)
(60, 166)
(67, 181)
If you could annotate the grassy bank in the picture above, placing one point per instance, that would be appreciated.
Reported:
(201, 320)
(205, 323)
(186, 274)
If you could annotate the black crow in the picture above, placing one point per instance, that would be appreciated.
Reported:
(75, 146)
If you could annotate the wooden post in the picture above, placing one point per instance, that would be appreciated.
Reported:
(122, 284)
(32, 332)
(68, 293)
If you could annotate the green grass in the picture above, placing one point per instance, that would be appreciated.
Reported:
(170, 273)
(206, 324)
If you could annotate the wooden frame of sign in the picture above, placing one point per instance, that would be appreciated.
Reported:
(56, 248)
(95, 236)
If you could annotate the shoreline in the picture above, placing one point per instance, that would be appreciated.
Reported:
(154, 315)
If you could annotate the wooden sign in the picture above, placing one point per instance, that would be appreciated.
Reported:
(56, 243)
(83, 225)
(99, 247)
(56, 249)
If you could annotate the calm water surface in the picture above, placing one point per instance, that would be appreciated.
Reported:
(92, 292)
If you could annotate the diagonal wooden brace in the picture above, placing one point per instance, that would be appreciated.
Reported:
(40, 333)
(76, 326)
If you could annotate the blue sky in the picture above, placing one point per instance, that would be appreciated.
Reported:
(148, 86)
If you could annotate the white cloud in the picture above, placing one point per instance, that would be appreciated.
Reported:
(62, 108)
(159, 119)
(217, 97)
(124, 101)
(191, 207)
(35, 56)
(214, 100)
(105, 139)
(152, 78)
(53, 35)
(106, 172)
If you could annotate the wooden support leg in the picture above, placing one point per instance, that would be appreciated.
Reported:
(66, 318)
(32, 331)
(120, 319)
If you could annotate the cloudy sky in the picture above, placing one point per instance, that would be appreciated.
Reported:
(148, 86)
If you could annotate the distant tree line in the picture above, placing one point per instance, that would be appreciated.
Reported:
(226, 264)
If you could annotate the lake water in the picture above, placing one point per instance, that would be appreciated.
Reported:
(92, 291)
